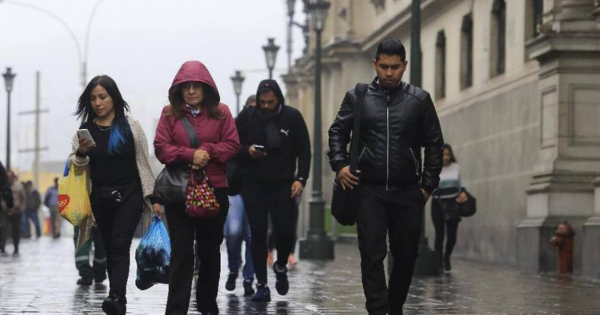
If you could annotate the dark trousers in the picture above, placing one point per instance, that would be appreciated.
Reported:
(15, 228)
(441, 225)
(208, 234)
(117, 226)
(397, 213)
(272, 240)
(261, 199)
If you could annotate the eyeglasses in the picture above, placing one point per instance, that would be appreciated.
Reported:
(188, 85)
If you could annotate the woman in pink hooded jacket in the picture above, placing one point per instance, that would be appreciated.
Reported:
(194, 95)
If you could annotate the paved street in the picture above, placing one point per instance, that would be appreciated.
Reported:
(42, 281)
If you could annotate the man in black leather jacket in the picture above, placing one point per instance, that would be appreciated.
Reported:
(397, 120)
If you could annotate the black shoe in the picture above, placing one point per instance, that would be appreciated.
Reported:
(281, 285)
(248, 289)
(84, 281)
(115, 304)
(447, 265)
(230, 284)
(99, 278)
(263, 294)
(209, 313)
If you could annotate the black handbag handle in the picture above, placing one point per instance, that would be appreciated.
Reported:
(194, 141)
(361, 91)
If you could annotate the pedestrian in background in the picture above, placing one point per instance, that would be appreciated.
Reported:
(274, 143)
(397, 119)
(33, 201)
(12, 217)
(445, 206)
(6, 198)
(237, 228)
(89, 272)
(194, 96)
(51, 201)
(121, 179)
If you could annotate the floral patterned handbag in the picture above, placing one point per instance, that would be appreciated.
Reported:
(200, 199)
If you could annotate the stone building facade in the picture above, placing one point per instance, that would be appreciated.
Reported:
(516, 84)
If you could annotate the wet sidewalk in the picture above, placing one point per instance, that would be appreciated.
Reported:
(41, 280)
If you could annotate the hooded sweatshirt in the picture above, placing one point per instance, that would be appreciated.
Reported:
(218, 137)
(284, 134)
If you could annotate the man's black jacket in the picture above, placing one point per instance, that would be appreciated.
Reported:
(280, 164)
(395, 124)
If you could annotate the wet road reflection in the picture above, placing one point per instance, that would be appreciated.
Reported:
(42, 281)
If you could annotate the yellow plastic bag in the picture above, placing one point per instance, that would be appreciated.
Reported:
(73, 197)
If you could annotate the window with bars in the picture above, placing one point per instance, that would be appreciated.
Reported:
(466, 52)
(538, 12)
(440, 66)
(498, 38)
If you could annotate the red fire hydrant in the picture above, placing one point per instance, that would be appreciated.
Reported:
(563, 239)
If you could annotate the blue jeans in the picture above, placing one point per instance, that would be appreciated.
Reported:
(33, 216)
(237, 229)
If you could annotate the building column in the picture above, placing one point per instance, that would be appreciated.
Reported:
(569, 157)
(590, 237)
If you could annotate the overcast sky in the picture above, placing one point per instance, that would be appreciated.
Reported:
(139, 43)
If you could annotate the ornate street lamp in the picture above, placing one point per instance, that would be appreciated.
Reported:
(271, 55)
(317, 245)
(237, 80)
(9, 78)
(304, 27)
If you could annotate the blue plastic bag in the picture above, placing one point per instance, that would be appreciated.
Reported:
(153, 256)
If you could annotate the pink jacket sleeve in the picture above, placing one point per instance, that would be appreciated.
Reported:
(229, 145)
(165, 150)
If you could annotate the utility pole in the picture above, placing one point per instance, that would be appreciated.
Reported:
(36, 149)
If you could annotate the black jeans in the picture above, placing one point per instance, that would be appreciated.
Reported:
(440, 224)
(117, 226)
(397, 213)
(209, 236)
(272, 237)
(260, 199)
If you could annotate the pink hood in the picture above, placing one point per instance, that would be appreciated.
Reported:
(194, 71)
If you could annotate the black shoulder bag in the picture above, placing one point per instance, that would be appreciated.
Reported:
(171, 183)
(344, 203)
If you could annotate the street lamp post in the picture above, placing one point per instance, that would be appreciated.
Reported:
(290, 6)
(9, 77)
(237, 80)
(429, 261)
(271, 55)
(82, 55)
(317, 245)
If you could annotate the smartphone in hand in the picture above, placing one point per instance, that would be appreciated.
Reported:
(85, 134)
(260, 148)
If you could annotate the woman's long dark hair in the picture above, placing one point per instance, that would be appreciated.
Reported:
(210, 103)
(120, 126)
(452, 157)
